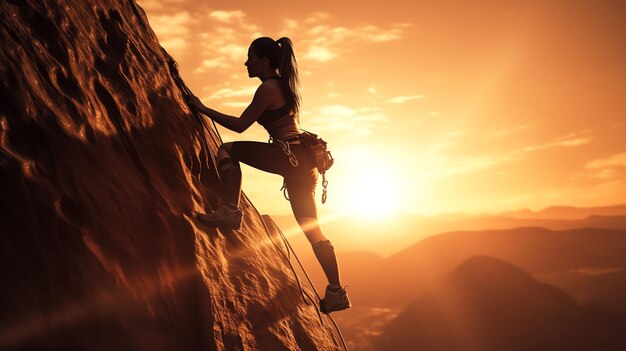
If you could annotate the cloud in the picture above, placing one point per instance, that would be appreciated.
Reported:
(154, 6)
(606, 174)
(337, 110)
(341, 118)
(228, 93)
(375, 34)
(151, 5)
(402, 99)
(611, 168)
(227, 16)
(316, 17)
(171, 30)
(174, 44)
(618, 160)
(448, 158)
(444, 166)
(168, 26)
(574, 139)
(326, 42)
(369, 33)
(319, 53)
(236, 17)
(225, 45)
(569, 140)
(234, 51)
(573, 142)
(291, 23)
(217, 62)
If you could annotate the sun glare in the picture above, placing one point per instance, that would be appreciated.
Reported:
(369, 187)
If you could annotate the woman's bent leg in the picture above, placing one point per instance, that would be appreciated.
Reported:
(230, 175)
(259, 155)
(229, 216)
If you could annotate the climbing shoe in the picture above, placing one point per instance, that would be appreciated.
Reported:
(225, 217)
(335, 300)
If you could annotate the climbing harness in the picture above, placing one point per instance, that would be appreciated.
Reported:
(324, 185)
(284, 145)
(322, 157)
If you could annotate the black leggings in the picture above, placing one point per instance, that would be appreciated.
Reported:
(300, 180)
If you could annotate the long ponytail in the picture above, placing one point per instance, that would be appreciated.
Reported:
(288, 69)
(282, 58)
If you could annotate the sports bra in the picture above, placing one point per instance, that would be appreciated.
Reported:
(279, 123)
(268, 116)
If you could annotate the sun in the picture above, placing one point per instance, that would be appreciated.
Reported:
(369, 187)
(373, 195)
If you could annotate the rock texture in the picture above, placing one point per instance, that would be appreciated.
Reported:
(101, 165)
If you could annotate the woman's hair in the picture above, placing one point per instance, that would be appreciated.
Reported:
(281, 56)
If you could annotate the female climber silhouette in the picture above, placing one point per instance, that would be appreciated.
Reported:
(276, 106)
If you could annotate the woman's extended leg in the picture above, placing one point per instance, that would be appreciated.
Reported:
(303, 205)
(323, 249)
(302, 202)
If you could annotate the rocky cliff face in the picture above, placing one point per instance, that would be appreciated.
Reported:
(101, 164)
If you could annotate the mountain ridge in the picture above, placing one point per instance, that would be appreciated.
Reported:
(489, 304)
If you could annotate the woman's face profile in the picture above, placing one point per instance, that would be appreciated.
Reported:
(254, 63)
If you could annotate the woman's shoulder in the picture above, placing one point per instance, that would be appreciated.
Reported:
(273, 83)
(271, 87)
(267, 87)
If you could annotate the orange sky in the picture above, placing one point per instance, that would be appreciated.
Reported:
(438, 106)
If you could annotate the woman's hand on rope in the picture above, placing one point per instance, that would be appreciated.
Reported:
(195, 103)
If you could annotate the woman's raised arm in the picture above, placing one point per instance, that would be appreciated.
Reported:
(260, 102)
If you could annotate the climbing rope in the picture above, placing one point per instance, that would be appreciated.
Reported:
(288, 245)
(173, 66)
(303, 293)
(285, 147)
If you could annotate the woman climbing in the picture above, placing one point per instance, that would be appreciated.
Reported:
(276, 106)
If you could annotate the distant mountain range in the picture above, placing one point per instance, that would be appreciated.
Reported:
(396, 280)
(583, 259)
(488, 304)
(567, 212)
(387, 238)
